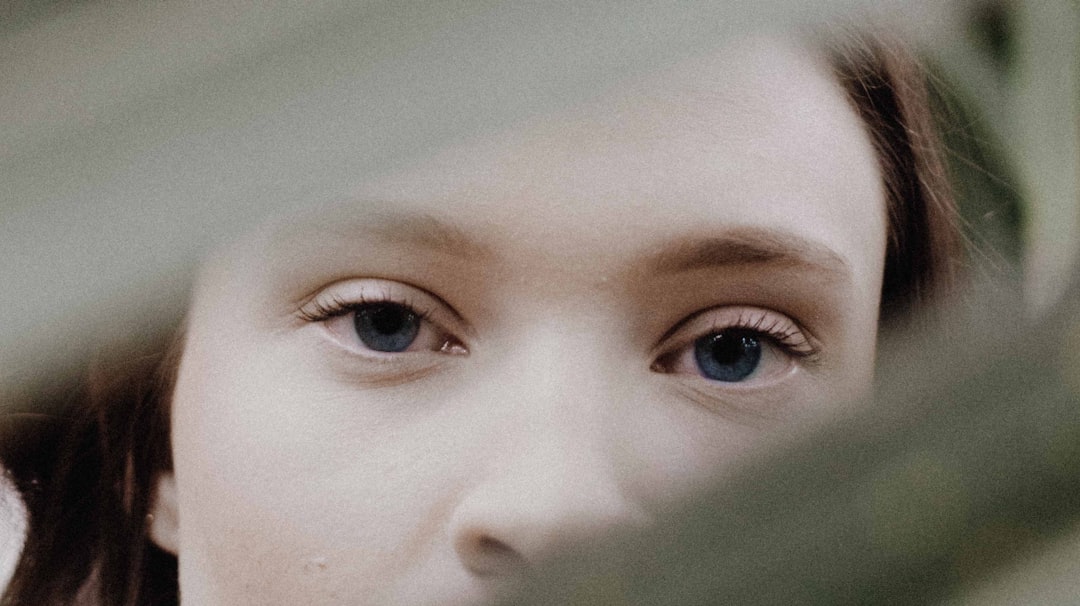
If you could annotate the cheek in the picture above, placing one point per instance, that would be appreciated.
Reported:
(286, 490)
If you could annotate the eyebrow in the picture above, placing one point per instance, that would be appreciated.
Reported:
(418, 230)
(748, 246)
(732, 247)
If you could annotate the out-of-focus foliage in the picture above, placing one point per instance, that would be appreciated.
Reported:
(968, 460)
(984, 478)
(1009, 85)
(985, 182)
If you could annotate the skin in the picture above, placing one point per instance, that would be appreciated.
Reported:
(13, 521)
(570, 264)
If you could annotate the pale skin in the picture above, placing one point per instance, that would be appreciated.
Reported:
(568, 272)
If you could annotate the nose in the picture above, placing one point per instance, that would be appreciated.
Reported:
(550, 499)
(553, 472)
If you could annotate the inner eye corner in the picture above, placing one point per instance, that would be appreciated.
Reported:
(452, 346)
(662, 362)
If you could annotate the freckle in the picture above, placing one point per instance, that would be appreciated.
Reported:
(314, 565)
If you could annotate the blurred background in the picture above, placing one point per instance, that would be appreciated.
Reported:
(135, 135)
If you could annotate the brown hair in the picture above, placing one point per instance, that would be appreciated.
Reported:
(86, 462)
(90, 497)
(925, 251)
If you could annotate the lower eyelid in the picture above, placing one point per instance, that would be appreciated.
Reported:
(376, 371)
(749, 407)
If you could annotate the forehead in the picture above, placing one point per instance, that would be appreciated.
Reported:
(756, 135)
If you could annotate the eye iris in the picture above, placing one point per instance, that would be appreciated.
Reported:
(387, 326)
(728, 356)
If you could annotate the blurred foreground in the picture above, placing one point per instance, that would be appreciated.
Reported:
(137, 136)
(959, 484)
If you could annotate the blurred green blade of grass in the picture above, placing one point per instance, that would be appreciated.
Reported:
(1024, 83)
(1046, 112)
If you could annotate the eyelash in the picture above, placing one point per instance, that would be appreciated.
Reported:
(322, 311)
(753, 345)
(784, 333)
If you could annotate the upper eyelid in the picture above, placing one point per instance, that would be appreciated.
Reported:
(339, 306)
(694, 326)
(394, 291)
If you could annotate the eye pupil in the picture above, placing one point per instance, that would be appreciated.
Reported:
(730, 355)
(387, 326)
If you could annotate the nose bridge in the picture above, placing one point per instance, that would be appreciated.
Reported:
(552, 478)
(562, 397)
(563, 365)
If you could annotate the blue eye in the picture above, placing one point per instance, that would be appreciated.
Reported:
(728, 356)
(387, 327)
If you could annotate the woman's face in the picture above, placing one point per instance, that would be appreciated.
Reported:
(526, 341)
